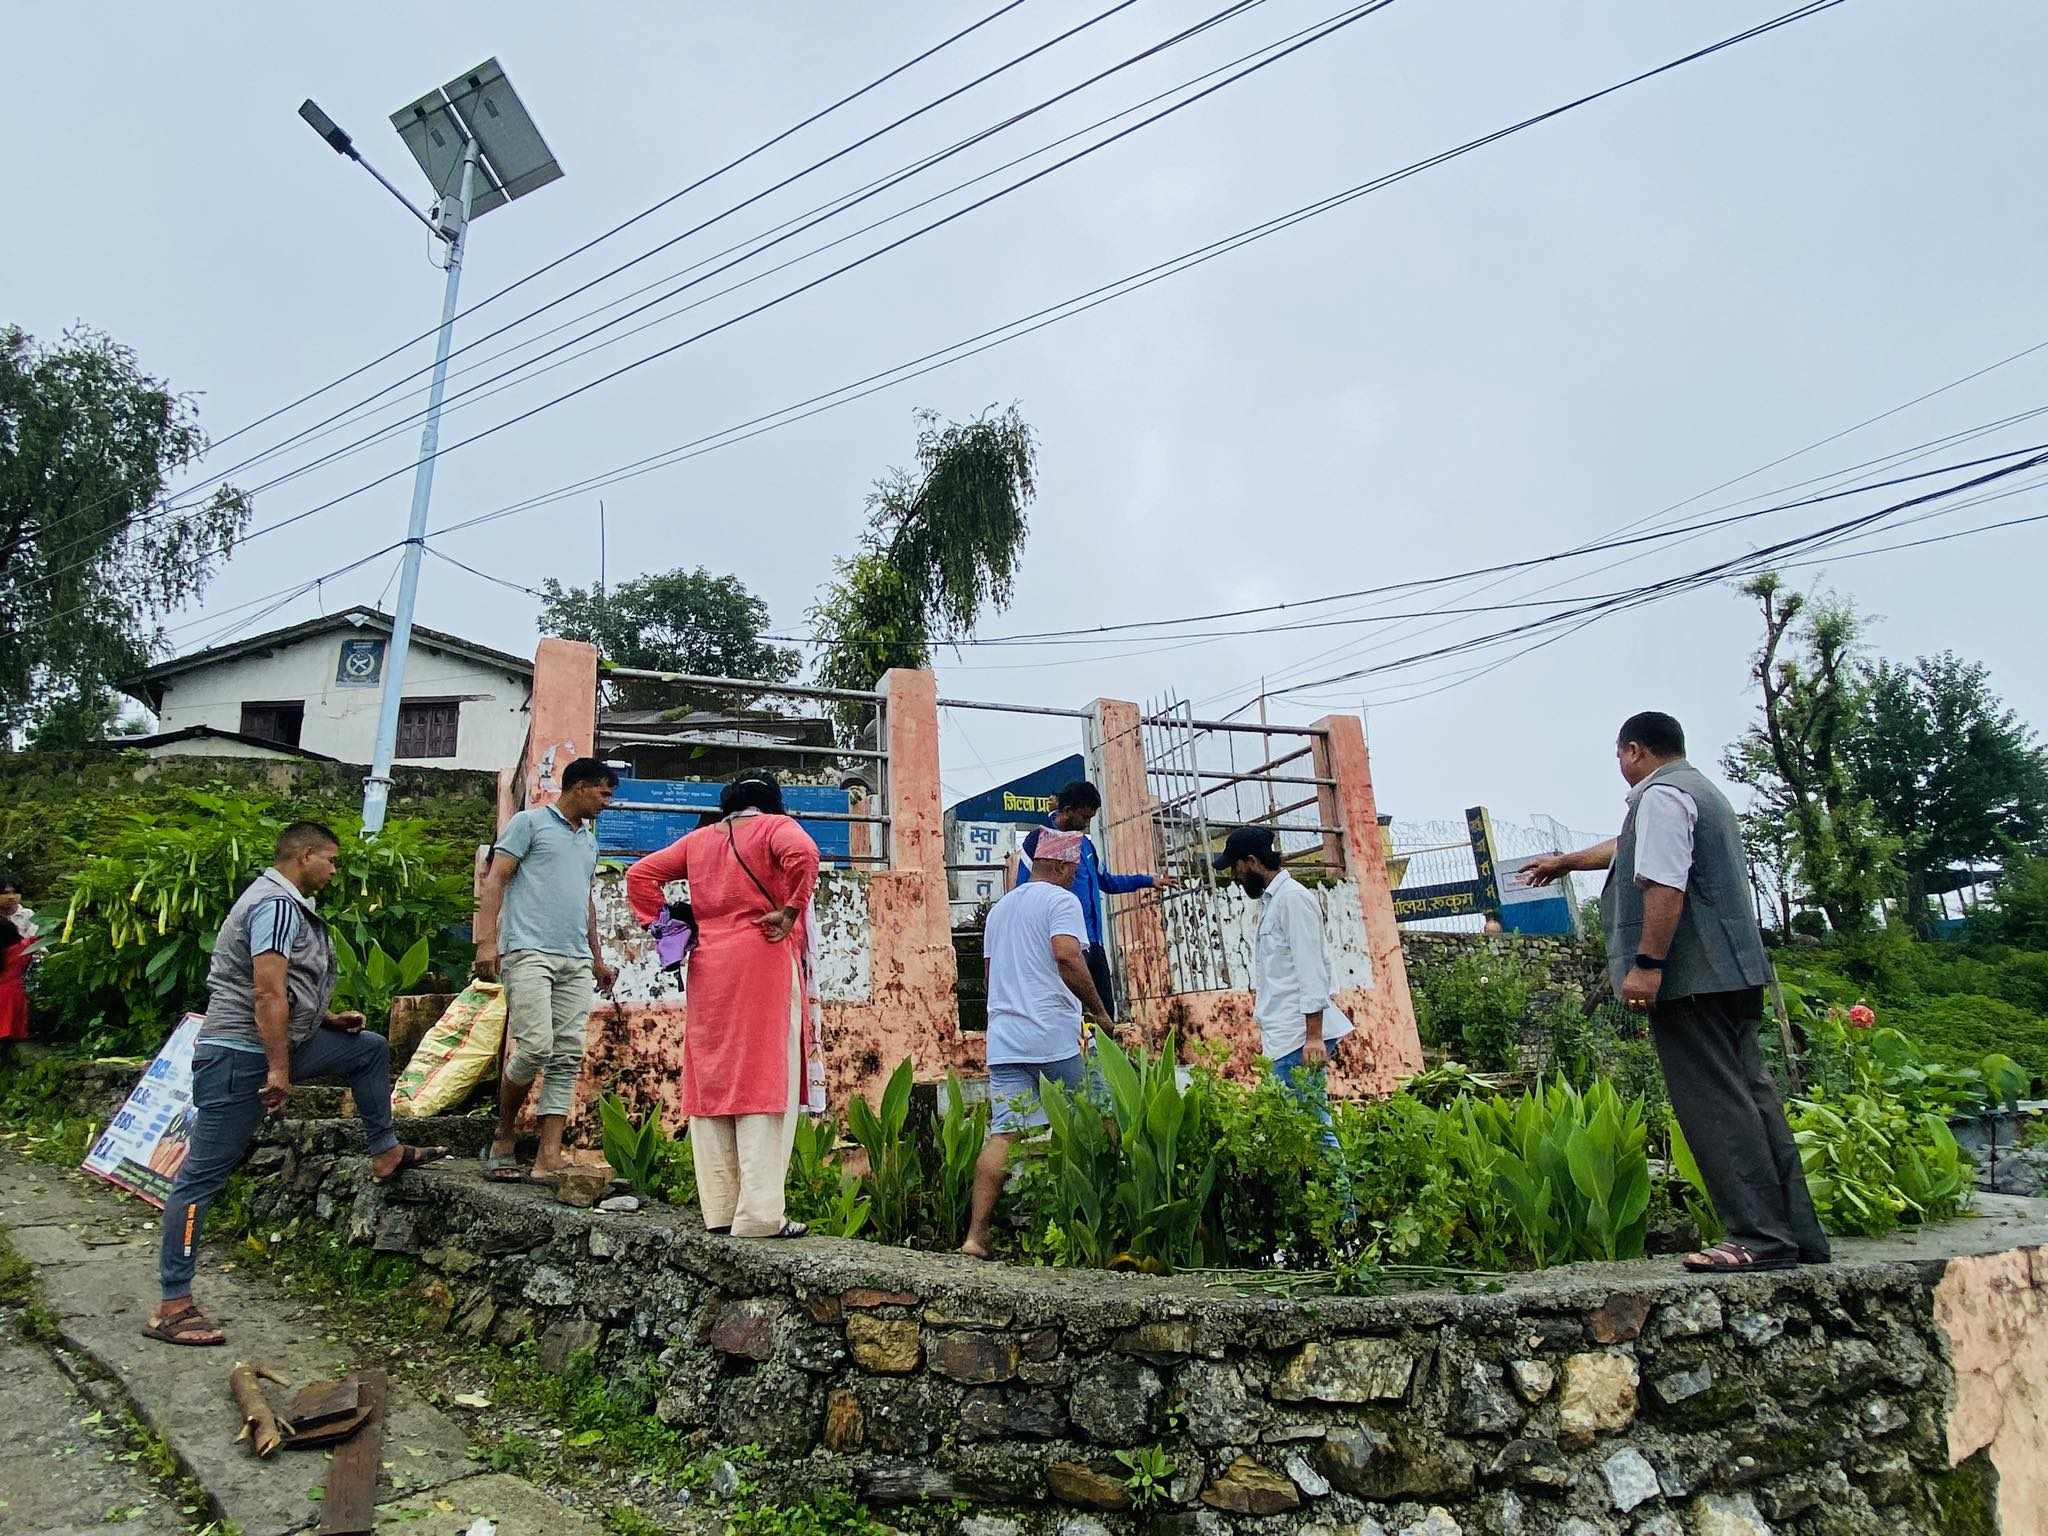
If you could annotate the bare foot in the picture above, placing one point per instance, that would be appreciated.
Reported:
(976, 1250)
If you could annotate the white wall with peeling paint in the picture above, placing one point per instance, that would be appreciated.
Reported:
(1229, 920)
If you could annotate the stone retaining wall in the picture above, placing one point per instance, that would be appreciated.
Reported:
(1603, 1401)
(1562, 963)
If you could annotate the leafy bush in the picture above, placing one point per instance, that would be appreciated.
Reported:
(963, 1128)
(1476, 1005)
(893, 1164)
(132, 951)
(2021, 914)
(653, 1163)
(1962, 1027)
(1571, 1167)
(821, 1191)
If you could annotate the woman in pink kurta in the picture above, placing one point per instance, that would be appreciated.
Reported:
(746, 998)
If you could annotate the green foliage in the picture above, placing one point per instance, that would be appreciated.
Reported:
(1150, 1470)
(88, 442)
(369, 980)
(1124, 1195)
(2021, 914)
(1277, 1196)
(1571, 1166)
(893, 1165)
(1797, 759)
(682, 620)
(132, 950)
(963, 1128)
(821, 1192)
(1698, 1204)
(1953, 775)
(941, 547)
(829, 1512)
(1874, 1135)
(1477, 1005)
(656, 1165)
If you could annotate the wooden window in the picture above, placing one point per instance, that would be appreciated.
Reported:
(428, 727)
(280, 723)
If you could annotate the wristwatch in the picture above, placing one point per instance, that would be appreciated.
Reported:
(1645, 962)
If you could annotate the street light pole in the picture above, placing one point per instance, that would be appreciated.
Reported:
(474, 131)
(377, 788)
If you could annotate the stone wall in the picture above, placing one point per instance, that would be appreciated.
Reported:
(1600, 1401)
(1563, 963)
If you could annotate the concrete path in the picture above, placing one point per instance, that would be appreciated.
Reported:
(62, 1471)
(95, 1254)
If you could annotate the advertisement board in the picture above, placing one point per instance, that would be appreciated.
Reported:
(144, 1144)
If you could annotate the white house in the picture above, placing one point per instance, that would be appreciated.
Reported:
(312, 690)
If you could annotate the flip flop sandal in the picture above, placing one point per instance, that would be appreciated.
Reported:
(790, 1229)
(181, 1328)
(414, 1157)
(503, 1170)
(1731, 1258)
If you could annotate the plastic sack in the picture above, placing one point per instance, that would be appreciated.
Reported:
(458, 1053)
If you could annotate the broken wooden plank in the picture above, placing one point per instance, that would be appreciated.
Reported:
(350, 1508)
(321, 1402)
(332, 1432)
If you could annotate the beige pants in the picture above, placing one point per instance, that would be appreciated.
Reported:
(743, 1160)
(547, 1004)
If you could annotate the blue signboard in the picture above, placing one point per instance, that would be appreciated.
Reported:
(636, 832)
(1026, 801)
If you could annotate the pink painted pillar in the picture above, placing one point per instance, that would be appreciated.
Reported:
(563, 726)
(1340, 754)
(1130, 847)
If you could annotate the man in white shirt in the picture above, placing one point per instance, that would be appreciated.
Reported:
(1291, 974)
(1039, 988)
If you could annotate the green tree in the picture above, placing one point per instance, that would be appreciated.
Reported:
(1951, 773)
(941, 547)
(89, 559)
(675, 621)
(1797, 756)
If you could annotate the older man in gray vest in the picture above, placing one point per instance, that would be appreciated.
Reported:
(1684, 949)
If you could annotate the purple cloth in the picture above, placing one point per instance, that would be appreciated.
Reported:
(673, 939)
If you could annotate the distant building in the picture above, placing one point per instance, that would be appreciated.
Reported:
(312, 691)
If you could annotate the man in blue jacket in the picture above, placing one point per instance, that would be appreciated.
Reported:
(1073, 808)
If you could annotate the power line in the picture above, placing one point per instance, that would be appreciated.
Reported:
(1082, 303)
(606, 276)
(832, 210)
(1343, 19)
(626, 224)
(838, 204)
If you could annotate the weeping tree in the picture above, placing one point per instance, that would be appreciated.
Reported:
(940, 548)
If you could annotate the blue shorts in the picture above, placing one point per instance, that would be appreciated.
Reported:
(1013, 1091)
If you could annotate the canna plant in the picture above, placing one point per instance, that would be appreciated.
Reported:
(893, 1163)
(963, 1128)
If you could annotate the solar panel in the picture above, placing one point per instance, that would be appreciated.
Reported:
(516, 159)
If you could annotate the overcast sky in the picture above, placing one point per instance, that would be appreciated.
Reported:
(1498, 359)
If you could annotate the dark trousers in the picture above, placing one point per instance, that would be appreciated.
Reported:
(226, 1112)
(1098, 968)
(1729, 1109)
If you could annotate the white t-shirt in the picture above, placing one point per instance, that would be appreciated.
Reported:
(1032, 1017)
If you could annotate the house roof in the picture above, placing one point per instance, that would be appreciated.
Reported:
(214, 732)
(359, 618)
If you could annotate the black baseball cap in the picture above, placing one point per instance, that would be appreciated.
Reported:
(1247, 842)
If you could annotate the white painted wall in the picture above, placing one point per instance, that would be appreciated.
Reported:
(1230, 921)
(342, 722)
(214, 746)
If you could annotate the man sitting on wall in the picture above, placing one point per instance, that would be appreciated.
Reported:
(1039, 989)
(268, 1027)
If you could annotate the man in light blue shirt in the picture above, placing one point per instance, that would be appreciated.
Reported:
(537, 924)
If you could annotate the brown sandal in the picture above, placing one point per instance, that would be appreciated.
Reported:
(180, 1328)
(1730, 1258)
(412, 1157)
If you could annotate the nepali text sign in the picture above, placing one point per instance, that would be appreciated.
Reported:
(685, 802)
(1027, 799)
(144, 1145)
